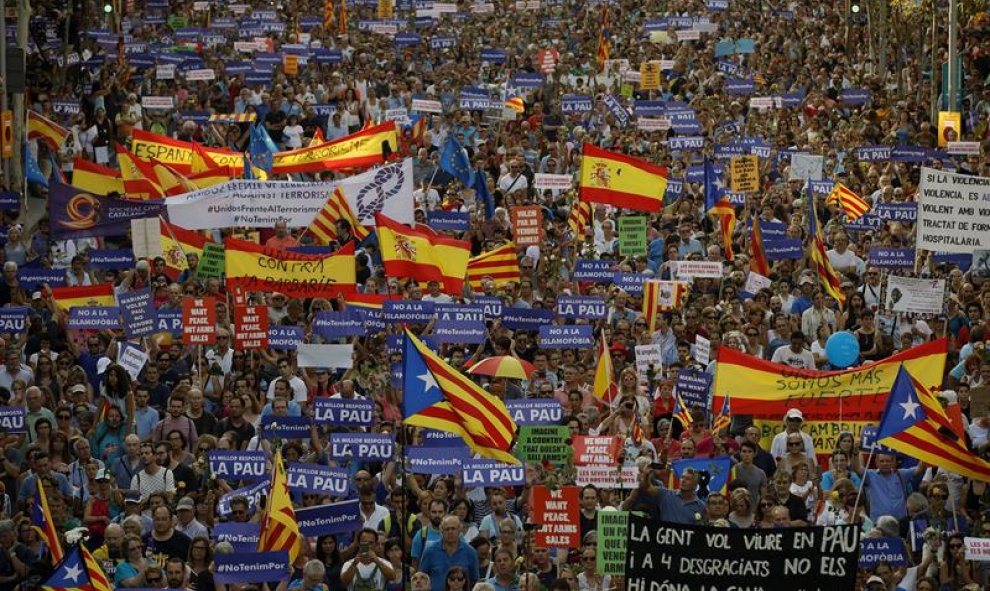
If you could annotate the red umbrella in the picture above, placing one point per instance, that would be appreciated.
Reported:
(504, 366)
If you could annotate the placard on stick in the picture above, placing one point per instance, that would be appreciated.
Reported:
(211, 264)
(527, 225)
(649, 73)
(250, 327)
(744, 174)
(632, 235)
(556, 511)
(199, 321)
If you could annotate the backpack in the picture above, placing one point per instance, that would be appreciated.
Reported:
(365, 584)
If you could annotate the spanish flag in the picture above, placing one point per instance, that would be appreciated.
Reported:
(178, 154)
(364, 148)
(201, 160)
(177, 242)
(318, 139)
(620, 180)
(500, 264)
(45, 130)
(41, 522)
(258, 268)
(100, 294)
(437, 396)
(96, 179)
(279, 528)
(421, 256)
(605, 388)
(336, 209)
(212, 177)
(852, 204)
(138, 178)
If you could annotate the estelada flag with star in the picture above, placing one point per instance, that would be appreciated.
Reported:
(78, 571)
(620, 180)
(914, 424)
(437, 396)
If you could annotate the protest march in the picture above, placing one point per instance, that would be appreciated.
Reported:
(495, 295)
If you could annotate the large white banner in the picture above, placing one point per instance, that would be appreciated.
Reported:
(260, 204)
(953, 212)
(915, 296)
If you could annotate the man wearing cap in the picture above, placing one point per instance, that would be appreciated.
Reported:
(133, 507)
(793, 420)
(803, 301)
(187, 522)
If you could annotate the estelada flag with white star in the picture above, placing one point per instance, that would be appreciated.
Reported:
(915, 424)
(437, 396)
(78, 571)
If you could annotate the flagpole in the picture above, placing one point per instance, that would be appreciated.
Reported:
(862, 481)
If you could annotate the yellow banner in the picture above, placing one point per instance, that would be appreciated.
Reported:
(824, 434)
(302, 276)
(179, 154)
(363, 148)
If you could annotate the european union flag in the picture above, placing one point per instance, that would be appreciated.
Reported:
(455, 162)
(481, 192)
(713, 473)
(248, 172)
(261, 147)
(714, 186)
(31, 169)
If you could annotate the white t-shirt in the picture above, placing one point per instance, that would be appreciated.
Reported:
(293, 135)
(366, 571)
(802, 360)
(298, 386)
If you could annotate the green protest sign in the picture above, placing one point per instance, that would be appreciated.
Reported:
(544, 442)
(211, 264)
(626, 91)
(632, 235)
(176, 21)
(613, 528)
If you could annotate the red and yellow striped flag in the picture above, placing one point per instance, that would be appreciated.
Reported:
(327, 15)
(830, 279)
(681, 412)
(100, 294)
(758, 262)
(516, 103)
(726, 214)
(415, 254)
(852, 204)
(41, 522)
(96, 179)
(279, 528)
(342, 22)
(605, 388)
(604, 39)
(45, 130)
(177, 242)
(336, 209)
(500, 264)
(579, 218)
(662, 296)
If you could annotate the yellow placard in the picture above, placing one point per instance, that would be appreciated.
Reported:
(949, 127)
(744, 174)
(290, 65)
(7, 143)
(649, 73)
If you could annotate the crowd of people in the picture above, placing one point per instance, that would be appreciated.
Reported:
(134, 473)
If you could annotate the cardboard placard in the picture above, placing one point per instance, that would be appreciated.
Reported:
(632, 235)
(558, 512)
(649, 76)
(979, 404)
(744, 174)
(199, 321)
(527, 225)
(211, 263)
(250, 327)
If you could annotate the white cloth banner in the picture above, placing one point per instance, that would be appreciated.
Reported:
(953, 212)
(329, 356)
(552, 181)
(915, 296)
(260, 204)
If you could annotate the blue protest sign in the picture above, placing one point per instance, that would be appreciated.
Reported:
(169, 321)
(492, 306)
(556, 336)
(526, 318)
(593, 270)
(238, 465)
(873, 153)
(477, 473)
(346, 323)
(962, 260)
(581, 307)
(12, 419)
(897, 212)
(892, 258)
(631, 283)
(739, 86)
(576, 103)
(528, 80)
(362, 446)
(317, 479)
(674, 190)
(745, 45)
(434, 438)
(284, 338)
(445, 42)
(459, 323)
(10, 199)
(31, 277)
(328, 56)
(872, 551)
(242, 536)
(452, 221)
(13, 320)
(614, 106)
(865, 223)
(822, 187)
(94, 318)
(407, 39)
(285, 427)
(111, 258)
(724, 48)
(726, 151)
(649, 108)
(258, 567)
(436, 460)
(693, 386)
(535, 411)
(772, 230)
(854, 97)
(374, 319)
(783, 248)
(346, 412)
(333, 518)
(910, 154)
(138, 311)
(397, 311)
(688, 143)
(495, 56)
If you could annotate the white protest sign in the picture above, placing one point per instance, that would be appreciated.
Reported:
(552, 181)
(914, 295)
(203, 74)
(483, 8)
(653, 123)
(165, 71)
(157, 102)
(399, 115)
(607, 476)
(623, 64)
(427, 106)
(761, 102)
(953, 212)
(977, 549)
(133, 360)
(335, 356)
(632, 76)
(146, 238)
(248, 46)
(702, 349)
(705, 27)
(647, 355)
(963, 148)
(691, 269)
(448, 7)
(688, 35)
(201, 5)
(755, 282)
(807, 166)
(385, 29)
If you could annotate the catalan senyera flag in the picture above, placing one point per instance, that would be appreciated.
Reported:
(97, 179)
(620, 180)
(500, 264)
(177, 242)
(579, 218)
(516, 103)
(758, 255)
(342, 21)
(915, 424)
(662, 296)
(681, 412)
(422, 256)
(604, 39)
(41, 522)
(279, 527)
(636, 432)
(41, 128)
(364, 148)
(651, 303)
(179, 154)
(327, 15)
(100, 294)
(78, 571)
(726, 214)
(324, 225)
(831, 281)
(852, 204)
(437, 396)
(767, 390)
(604, 388)
(724, 418)
(258, 268)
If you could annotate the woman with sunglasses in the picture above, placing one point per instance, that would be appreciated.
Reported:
(589, 579)
(456, 579)
(45, 374)
(838, 507)
(131, 572)
(955, 572)
(199, 560)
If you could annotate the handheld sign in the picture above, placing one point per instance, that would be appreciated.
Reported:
(238, 465)
(343, 412)
(362, 446)
(12, 419)
(138, 310)
(199, 321)
(250, 327)
(321, 480)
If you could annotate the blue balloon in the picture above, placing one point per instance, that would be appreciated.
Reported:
(842, 349)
